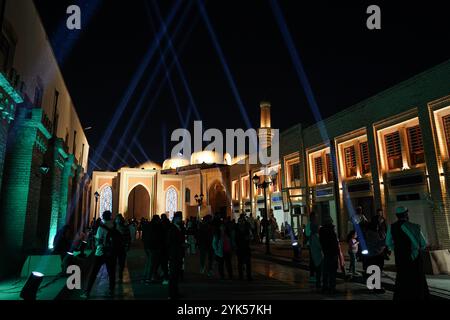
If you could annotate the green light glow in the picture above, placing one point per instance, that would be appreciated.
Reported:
(4, 83)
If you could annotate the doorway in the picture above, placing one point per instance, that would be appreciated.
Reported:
(138, 204)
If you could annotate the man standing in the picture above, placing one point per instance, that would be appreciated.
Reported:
(407, 241)
(105, 253)
(243, 233)
(164, 258)
(330, 248)
(205, 236)
(311, 225)
(175, 245)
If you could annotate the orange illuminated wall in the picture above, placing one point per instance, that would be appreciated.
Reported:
(175, 183)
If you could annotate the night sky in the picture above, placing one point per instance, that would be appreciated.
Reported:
(345, 62)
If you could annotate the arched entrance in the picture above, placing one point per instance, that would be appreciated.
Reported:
(138, 204)
(218, 199)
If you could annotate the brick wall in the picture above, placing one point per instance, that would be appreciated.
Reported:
(16, 180)
(3, 139)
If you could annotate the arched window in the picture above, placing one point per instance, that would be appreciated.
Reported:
(105, 200)
(171, 201)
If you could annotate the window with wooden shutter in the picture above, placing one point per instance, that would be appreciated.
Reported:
(446, 122)
(329, 168)
(365, 158)
(393, 150)
(318, 169)
(415, 143)
(350, 161)
(294, 175)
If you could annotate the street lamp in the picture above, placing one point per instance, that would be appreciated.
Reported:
(264, 185)
(97, 196)
(199, 200)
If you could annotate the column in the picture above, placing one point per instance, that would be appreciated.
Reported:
(341, 218)
(22, 180)
(54, 191)
(374, 168)
(64, 198)
(441, 210)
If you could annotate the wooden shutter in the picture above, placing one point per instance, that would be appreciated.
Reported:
(365, 158)
(329, 168)
(393, 146)
(446, 122)
(318, 169)
(415, 145)
(350, 161)
(393, 150)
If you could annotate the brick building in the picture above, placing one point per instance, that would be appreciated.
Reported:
(389, 150)
(43, 148)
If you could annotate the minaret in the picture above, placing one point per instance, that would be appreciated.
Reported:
(265, 134)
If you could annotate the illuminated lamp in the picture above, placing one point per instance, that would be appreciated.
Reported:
(365, 252)
(31, 287)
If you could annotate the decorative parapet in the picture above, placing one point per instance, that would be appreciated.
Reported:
(9, 97)
(9, 89)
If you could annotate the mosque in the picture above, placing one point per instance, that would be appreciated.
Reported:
(197, 187)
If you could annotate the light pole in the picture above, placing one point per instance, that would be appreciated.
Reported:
(97, 196)
(199, 200)
(264, 185)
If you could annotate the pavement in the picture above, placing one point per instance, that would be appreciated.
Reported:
(271, 281)
(275, 277)
(282, 253)
(49, 290)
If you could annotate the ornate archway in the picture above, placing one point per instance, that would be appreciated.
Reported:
(106, 200)
(138, 203)
(171, 201)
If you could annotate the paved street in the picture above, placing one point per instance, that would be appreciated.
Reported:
(272, 281)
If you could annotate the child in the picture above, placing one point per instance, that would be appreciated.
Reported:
(352, 251)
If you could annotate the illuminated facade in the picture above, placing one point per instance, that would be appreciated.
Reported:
(43, 148)
(389, 150)
(226, 186)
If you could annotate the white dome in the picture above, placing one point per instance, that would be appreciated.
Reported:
(208, 157)
(175, 163)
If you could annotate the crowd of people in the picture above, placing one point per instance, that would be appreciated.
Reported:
(371, 242)
(218, 239)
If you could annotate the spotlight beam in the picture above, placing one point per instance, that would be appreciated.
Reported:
(166, 69)
(133, 85)
(64, 40)
(164, 138)
(114, 152)
(303, 78)
(298, 65)
(108, 165)
(159, 90)
(141, 149)
(225, 66)
(177, 62)
(150, 81)
(134, 158)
